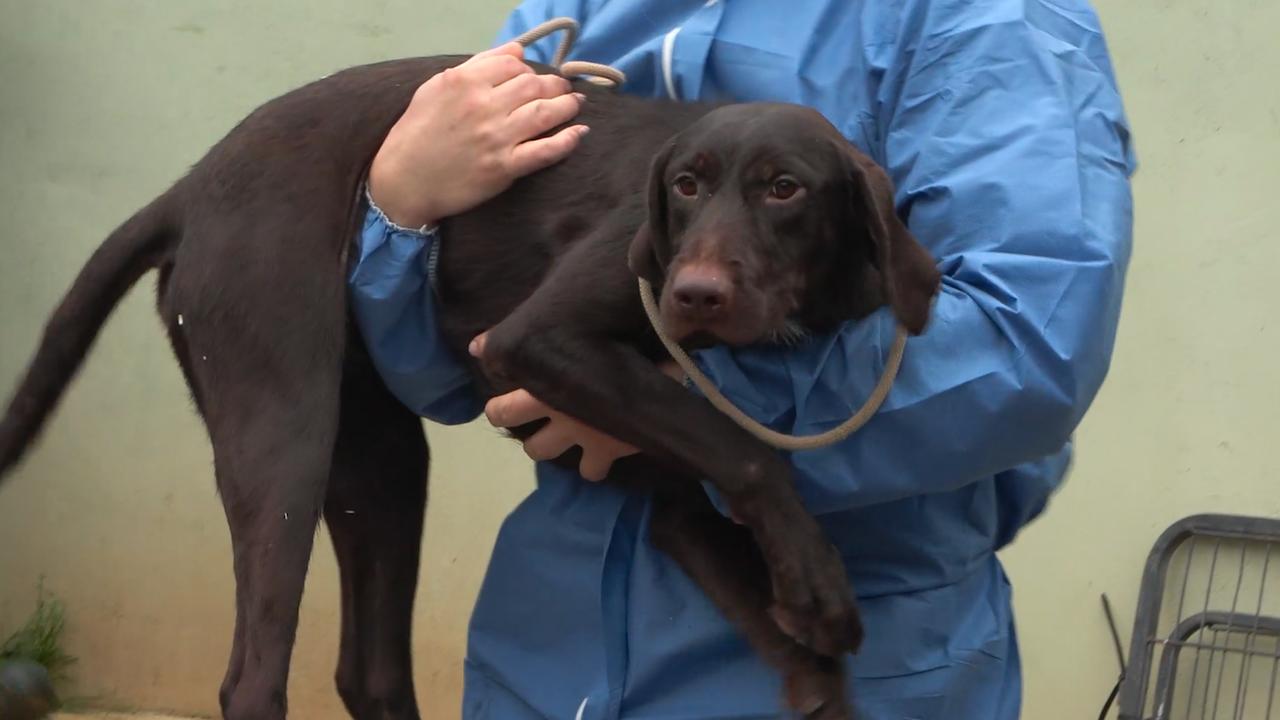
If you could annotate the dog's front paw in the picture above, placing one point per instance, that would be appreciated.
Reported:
(812, 600)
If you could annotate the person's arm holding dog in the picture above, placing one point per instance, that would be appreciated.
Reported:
(465, 137)
(468, 133)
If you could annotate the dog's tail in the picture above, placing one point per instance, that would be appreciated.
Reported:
(134, 248)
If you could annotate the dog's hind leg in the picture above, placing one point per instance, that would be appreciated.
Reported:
(177, 339)
(265, 348)
(272, 453)
(374, 510)
(272, 465)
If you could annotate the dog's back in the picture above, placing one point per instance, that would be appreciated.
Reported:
(272, 209)
(228, 231)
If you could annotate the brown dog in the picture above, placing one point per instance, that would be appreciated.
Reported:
(756, 222)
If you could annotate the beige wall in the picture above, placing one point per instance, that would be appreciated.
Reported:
(103, 103)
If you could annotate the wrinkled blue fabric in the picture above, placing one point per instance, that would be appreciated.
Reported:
(392, 301)
(1002, 127)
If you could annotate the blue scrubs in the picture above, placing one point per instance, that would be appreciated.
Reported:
(1003, 129)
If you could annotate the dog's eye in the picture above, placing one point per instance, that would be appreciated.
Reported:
(686, 186)
(784, 189)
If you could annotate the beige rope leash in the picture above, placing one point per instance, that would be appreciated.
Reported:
(782, 441)
(603, 74)
(593, 72)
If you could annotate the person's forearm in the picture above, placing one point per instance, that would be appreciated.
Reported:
(394, 306)
(467, 134)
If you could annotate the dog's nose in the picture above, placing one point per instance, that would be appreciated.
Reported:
(702, 293)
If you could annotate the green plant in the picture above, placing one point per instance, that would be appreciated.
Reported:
(39, 640)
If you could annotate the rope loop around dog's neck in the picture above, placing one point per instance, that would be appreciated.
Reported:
(605, 75)
(781, 441)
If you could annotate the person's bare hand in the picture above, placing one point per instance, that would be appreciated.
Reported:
(468, 134)
(562, 432)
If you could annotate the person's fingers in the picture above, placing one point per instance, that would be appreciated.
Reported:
(515, 408)
(600, 453)
(476, 348)
(497, 69)
(534, 155)
(595, 464)
(525, 88)
(550, 442)
(537, 117)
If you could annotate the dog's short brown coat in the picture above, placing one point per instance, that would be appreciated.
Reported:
(252, 248)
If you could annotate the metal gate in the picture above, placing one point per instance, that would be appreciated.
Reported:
(1206, 636)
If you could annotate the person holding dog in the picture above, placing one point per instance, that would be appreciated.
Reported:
(1003, 130)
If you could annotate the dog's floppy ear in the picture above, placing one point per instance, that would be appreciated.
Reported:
(908, 277)
(650, 250)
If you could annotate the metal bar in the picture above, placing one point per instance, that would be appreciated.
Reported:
(1217, 688)
(1195, 666)
(1231, 616)
(1275, 664)
(1210, 646)
(1186, 574)
(1182, 597)
(1242, 687)
(1208, 674)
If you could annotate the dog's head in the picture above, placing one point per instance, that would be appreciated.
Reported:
(764, 222)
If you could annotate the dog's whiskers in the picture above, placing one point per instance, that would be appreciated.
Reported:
(791, 333)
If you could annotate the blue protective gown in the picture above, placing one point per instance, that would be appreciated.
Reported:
(1002, 127)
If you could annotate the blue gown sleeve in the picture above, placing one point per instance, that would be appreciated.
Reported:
(394, 306)
(1011, 159)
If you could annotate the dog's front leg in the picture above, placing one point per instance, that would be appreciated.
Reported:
(611, 386)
